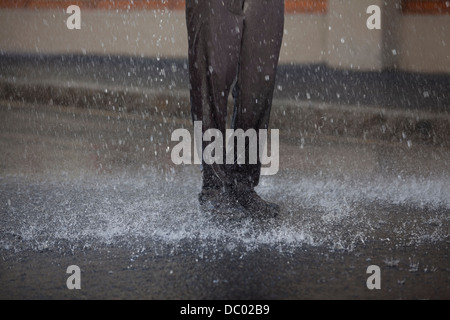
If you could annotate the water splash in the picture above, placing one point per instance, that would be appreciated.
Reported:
(151, 211)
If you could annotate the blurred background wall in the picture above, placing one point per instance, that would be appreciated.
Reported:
(414, 34)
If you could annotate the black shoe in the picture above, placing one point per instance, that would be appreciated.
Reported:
(251, 201)
(218, 202)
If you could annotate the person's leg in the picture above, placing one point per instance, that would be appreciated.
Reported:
(261, 43)
(215, 35)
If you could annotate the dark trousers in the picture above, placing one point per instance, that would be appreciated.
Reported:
(233, 42)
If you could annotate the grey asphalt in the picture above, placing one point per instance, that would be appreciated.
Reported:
(86, 179)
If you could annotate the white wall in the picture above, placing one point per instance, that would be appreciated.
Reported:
(143, 33)
(304, 38)
(340, 38)
(424, 43)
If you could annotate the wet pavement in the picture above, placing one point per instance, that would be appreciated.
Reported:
(95, 187)
(392, 89)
